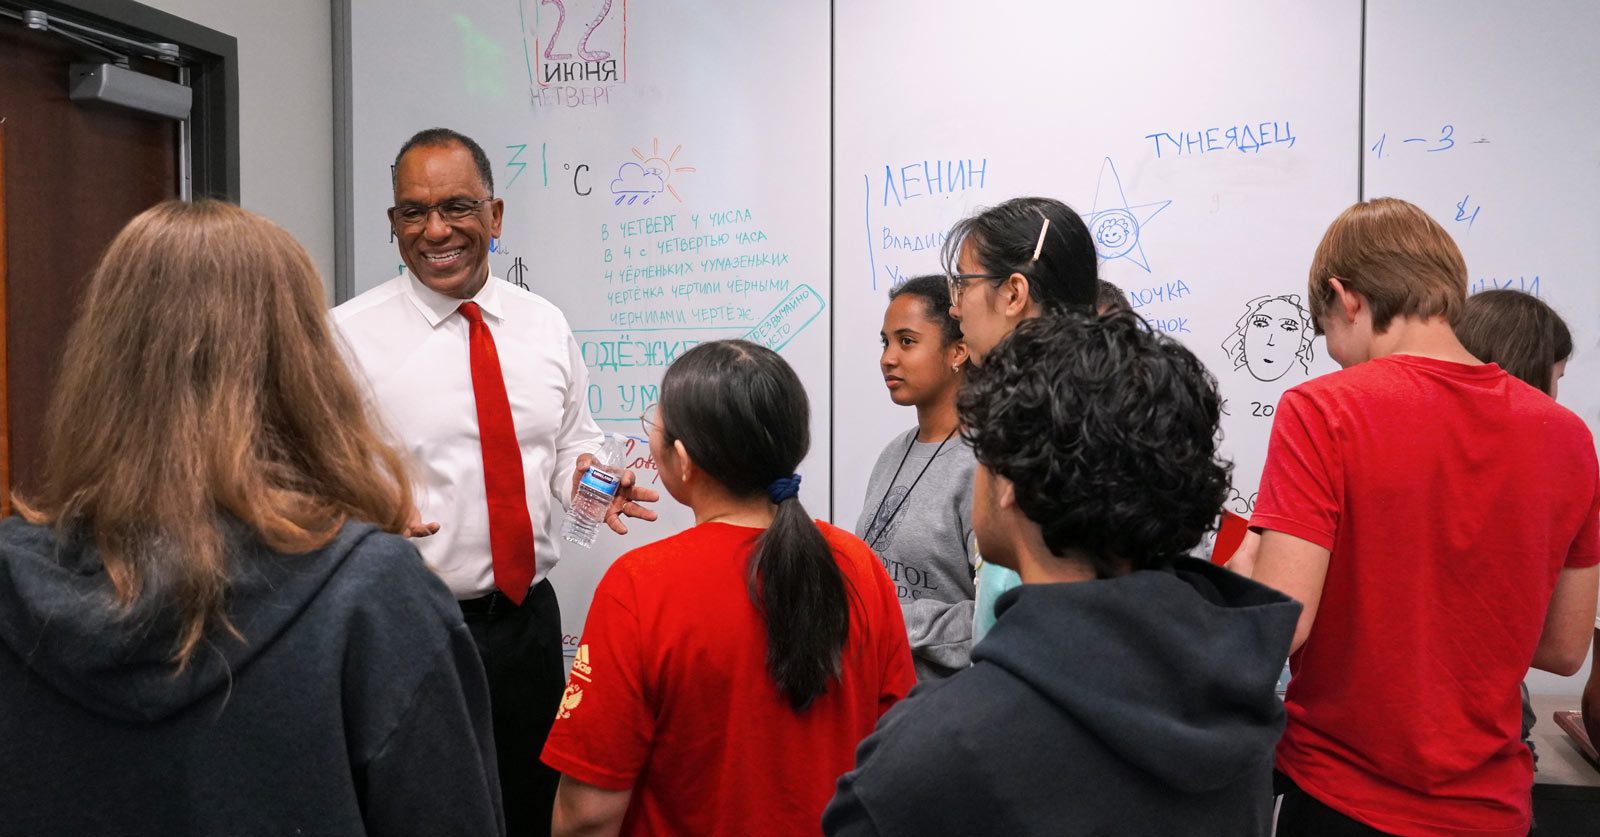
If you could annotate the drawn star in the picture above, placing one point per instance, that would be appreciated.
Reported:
(1117, 225)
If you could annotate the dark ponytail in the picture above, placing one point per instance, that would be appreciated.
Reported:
(743, 416)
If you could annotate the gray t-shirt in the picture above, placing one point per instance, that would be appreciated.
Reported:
(923, 541)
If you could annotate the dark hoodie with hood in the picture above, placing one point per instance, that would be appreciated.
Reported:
(355, 704)
(1137, 705)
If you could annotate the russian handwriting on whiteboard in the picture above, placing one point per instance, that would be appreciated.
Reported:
(928, 178)
(914, 242)
(1526, 284)
(1116, 224)
(632, 275)
(1444, 140)
(1165, 292)
(1272, 336)
(628, 362)
(1244, 138)
(652, 225)
(788, 318)
(569, 97)
(912, 222)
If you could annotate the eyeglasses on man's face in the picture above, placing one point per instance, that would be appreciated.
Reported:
(453, 210)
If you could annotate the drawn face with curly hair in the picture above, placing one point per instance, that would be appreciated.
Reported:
(1115, 233)
(1271, 338)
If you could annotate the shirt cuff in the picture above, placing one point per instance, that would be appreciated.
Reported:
(585, 772)
(1290, 526)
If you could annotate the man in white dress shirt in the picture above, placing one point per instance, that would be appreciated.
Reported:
(472, 374)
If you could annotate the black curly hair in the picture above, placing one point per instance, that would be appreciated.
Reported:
(1109, 433)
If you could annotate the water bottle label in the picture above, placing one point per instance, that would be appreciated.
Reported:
(600, 481)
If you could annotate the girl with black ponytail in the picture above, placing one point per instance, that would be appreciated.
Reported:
(727, 673)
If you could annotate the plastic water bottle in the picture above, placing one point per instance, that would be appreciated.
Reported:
(595, 491)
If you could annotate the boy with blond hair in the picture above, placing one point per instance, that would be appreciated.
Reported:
(1437, 519)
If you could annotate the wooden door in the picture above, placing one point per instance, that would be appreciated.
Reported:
(73, 175)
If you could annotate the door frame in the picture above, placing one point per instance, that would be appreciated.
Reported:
(213, 64)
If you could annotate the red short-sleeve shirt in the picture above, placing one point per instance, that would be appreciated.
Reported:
(669, 693)
(1450, 497)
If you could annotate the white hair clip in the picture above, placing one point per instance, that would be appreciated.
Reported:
(1039, 248)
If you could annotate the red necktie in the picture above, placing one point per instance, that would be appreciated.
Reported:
(510, 527)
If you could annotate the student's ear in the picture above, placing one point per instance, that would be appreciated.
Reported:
(497, 210)
(958, 354)
(684, 464)
(1351, 302)
(1014, 296)
(1005, 493)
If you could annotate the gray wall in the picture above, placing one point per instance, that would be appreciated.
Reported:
(285, 111)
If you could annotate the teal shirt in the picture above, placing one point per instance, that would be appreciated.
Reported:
(992, 580)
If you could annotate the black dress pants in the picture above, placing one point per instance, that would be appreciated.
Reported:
(522, 655)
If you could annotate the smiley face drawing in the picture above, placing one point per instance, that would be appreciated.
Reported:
(1115, 233)
(1272, 337)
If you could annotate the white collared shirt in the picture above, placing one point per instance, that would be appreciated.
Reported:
(411, 345)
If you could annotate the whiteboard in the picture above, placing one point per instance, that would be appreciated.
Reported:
(664, 168)
(1493, 93)
(1208, 152)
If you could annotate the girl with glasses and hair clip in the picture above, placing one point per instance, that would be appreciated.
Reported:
(1022, 259)
(1026, 258)
(207, 623)
(726, 674)
(918, 507)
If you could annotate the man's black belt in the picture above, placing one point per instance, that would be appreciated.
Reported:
(495, 602)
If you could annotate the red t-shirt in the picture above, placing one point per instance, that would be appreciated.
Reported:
(669, 693)
(1450, 497)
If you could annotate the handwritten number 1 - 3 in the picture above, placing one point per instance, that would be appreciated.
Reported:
(1445, 143)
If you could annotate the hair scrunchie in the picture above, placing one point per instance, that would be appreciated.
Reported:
(784, 488)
